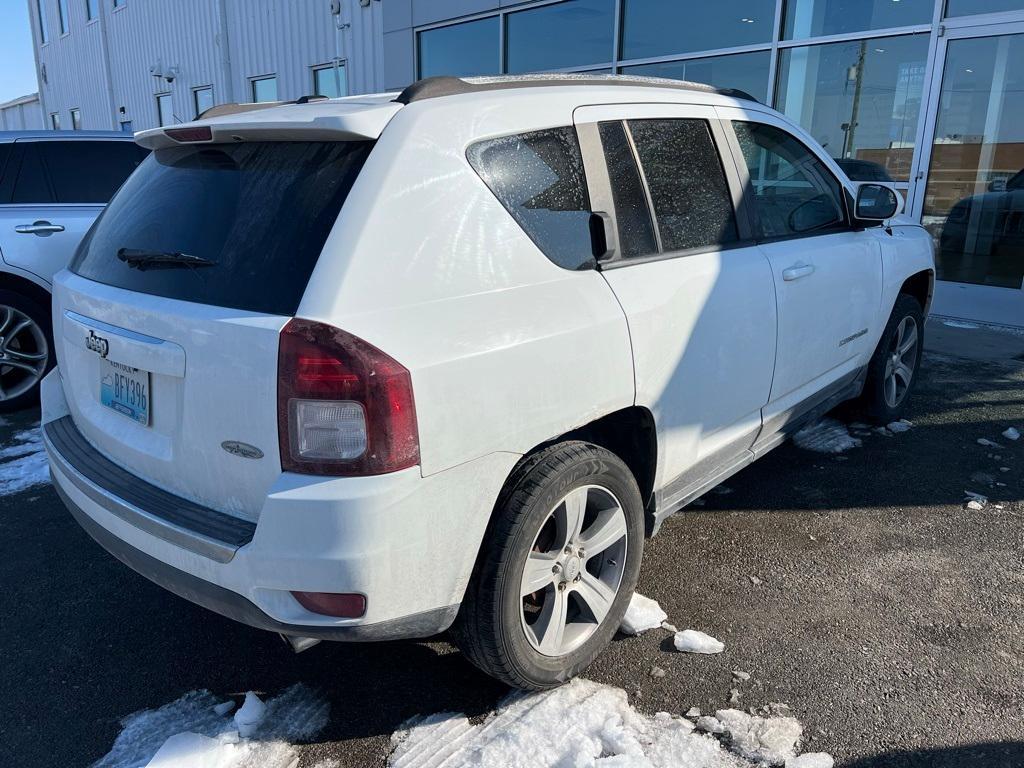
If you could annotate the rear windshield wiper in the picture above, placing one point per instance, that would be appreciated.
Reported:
(142, 260)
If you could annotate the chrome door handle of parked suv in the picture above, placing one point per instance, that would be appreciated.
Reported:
(38, 228)
(797, 271)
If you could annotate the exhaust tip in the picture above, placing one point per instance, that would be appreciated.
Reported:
(300, 644)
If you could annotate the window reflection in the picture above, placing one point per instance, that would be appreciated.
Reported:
(974, 201)
(861, 100)
(470, 48)
(746, 71)
(570, 34)
(666, 27)
(812, 18)
(966, 7)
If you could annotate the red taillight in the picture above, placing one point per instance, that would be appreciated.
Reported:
(343, 407)
(344, 606)
(188, 135)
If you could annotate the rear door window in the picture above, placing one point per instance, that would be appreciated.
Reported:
(30, 182)
(260, 212)
(539, 179)
(89, 171)
(687, 185)
(632, 213)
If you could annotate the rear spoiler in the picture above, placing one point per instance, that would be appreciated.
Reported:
(314, 121)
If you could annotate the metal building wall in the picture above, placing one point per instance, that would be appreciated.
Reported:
(21, 114)
(103, 67)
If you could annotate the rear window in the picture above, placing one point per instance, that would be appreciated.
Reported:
(539, 179)
(260, 212)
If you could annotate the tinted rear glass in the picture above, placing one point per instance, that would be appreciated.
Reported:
(539, 179)
(89, 171)
(260, 211)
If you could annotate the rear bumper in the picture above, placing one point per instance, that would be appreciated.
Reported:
(406, 542)
(237, 607)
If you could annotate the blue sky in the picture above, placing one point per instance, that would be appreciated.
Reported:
(17, 65)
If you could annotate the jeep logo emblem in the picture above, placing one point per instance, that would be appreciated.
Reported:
(97, 344)
(244, 450)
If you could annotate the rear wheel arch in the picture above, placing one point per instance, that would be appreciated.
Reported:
(31, 290)
(628, 433)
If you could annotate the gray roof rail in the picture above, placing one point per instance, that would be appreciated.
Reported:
(436, 87)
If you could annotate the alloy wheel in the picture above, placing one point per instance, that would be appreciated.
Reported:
(23, 352)
(573, 572)
(899, 368)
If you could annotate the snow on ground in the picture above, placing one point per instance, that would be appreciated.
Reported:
(1012, 433)
(826, 436)
(196, 731)
(642, 614)
(23, 463)
(587, 725)
(959, 324)
(693, 641)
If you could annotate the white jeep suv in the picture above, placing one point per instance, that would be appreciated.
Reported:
(374, 367)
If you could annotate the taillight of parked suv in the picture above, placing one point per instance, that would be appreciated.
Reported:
(344, 407)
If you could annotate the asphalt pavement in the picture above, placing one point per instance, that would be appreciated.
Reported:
(859, 589)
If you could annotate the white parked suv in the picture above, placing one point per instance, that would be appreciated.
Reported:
(53, 184)
(374, 367)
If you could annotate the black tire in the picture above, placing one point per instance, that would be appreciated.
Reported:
(873, 405)
(490, 628)
(9, 377)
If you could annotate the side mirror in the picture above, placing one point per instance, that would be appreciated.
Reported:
(876, 203)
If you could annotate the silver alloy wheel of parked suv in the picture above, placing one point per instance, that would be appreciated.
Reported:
(23, 353)
(574, 570)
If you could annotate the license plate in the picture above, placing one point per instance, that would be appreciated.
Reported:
(125, 389)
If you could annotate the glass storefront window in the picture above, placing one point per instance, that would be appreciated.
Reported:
(745, 71)
(470, 48)
(968, 7)
(860, 100)
(974, 201)
(813, 18)
(576, 33)
(666, 27)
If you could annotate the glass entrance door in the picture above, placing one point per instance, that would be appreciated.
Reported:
(973, 201)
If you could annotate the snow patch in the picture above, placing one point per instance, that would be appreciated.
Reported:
(1012, 434)
(988, 443)
(900, 426)
(959, 324)
(826, 436)
(811, 760)
(580, 725)
(642, 614)
(772, 740)
(693, 641)
(250, 714)
(194, 732)
(24, 463)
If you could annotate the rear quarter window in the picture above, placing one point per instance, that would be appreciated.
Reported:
(259, 211)
(539, 178)
(89, 171)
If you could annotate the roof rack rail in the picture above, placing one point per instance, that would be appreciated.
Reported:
(436, 87)
(233, 108)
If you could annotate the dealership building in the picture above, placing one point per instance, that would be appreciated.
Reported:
(926, 93)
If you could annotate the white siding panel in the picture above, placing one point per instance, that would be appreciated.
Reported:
(223, 43)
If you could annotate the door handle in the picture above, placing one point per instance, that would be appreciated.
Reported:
(797, 271)
(43, 228)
